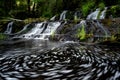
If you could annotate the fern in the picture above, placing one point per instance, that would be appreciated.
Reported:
(81, 33)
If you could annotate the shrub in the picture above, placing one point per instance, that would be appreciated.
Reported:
(86, 7)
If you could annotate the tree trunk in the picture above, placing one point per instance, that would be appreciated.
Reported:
(28, 3)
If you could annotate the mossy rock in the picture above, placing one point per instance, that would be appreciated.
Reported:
(113, 11)
(17, 26)
(3, 36)
(31, 20)
(3, 24)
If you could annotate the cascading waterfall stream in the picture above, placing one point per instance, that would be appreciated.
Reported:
(105, 31)
(41, 30)
(9, 28)
(94, 15)
(50, 29)
(33, 31)
(53, 18)
(63, 15)
(103, 13)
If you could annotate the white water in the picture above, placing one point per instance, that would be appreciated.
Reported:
(33, 31)
(63, 15)
(83, 22)
(53, 18)
(105, 31)
(42, 30)
(103, 13)
(9, 28)
(94, 15)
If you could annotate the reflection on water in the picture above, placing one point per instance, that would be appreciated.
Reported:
(45, 60)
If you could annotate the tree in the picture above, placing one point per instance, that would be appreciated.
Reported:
(28, 4)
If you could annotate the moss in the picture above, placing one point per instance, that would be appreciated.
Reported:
(2, 36)
(98, 16)
(30, 20)
(113, 38)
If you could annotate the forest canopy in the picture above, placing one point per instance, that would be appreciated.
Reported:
(23, 9)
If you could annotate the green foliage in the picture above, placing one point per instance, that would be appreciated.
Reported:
(53, 34)
(48, 8)
(2, 36)
(113, 8)
(86, 7)
(113, 38)
(98, 16)
(101, 5)
(76, 19)
(81, 34)
(114, 11)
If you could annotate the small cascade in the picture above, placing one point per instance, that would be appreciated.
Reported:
(50, 30)
(36, 30)
(41, 30)
(94, 14)
(79, 25)
(59, 29)
(9, 28)
(53, 18)
(103, 13)
(83, 22)
(63, 15)
(106, 32)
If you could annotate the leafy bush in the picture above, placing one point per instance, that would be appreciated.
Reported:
(81, 34)
(86, 7)
(101, 6)
(2, 36)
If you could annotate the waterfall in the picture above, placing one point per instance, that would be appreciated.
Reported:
(103, 13)
(63, 15)
(35, 30)
(9, 28)
(53, 18)
(41, 30)
(83, 22)
(50, 29)
(104, 30)
(94, 14)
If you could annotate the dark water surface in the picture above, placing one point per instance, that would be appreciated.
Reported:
(45, 60)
